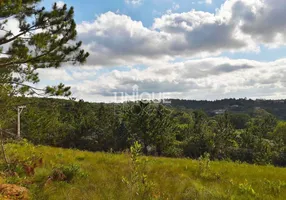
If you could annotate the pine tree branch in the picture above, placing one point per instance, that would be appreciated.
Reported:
(29, 60)
(22, 84)
(5, 41)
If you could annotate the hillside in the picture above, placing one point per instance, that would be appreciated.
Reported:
(100, 176)
(257, 138)
(247, 106)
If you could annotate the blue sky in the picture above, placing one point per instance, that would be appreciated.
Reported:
(195, 49)
(86, 10)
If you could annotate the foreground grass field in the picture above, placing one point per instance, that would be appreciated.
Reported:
(100, 176)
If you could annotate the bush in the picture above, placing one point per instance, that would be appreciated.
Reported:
(246, 189)
(173, 151)
(67, 173)
(274, 187)
(204, 169)
(138, 184)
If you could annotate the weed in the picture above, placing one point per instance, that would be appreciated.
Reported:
(204, 163)
(274, 187)
(246, 189)
(80, 158)
(204, 169)
(138, 183)
(67, 173)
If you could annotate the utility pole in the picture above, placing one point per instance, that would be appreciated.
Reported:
(20, 109)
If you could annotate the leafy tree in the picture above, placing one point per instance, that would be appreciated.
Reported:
(262, 125)
(239, 120)
(6, 105)
(201, 139)
(136, 117)
(162, 130)
(121, 136)
(43, 39)
(279, 133)
(184, 123)
(151, 124)
(257, 137)
(224, 136)
(279, 136)
(42, 124)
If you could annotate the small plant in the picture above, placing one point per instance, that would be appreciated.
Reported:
(31, 165)
(274, 187)
(22, 168)
(138, 183)
(246, 189)
(204, 163)
(66, 173)
(204, 169)
(70, 171)
(80, 158)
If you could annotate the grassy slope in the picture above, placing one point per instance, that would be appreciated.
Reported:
(172, 178)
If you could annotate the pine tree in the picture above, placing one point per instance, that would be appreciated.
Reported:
(43, 39)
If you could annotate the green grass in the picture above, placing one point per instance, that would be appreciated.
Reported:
(101, 177)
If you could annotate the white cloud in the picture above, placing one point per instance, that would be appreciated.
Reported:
(69, 73)
(209, 1)
(118, 40)
(169, 11)
(263, 20)
(239, 25)
(60, 4)
(209, 78)
(83, 75)
(134, 2)
(11, 25)
(175, 6)
(54, 74)
(156, 13)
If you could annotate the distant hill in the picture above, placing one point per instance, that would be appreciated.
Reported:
(248, 106)
(275, 107)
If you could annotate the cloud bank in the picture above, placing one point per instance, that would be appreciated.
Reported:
(207, 78)
(179, 53)
(239, 25)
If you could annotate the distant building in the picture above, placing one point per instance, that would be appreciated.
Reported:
(219, 111)
(280, 101)
(234, 106)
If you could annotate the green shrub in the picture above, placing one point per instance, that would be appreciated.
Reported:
(69, 171)
(138, 183)
(173, 151)
(274, 187)
(80, 158)
(246, 189)
(204, 169)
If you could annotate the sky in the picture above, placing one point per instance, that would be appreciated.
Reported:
(187, 49)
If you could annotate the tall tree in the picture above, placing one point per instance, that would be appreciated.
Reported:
(224, 136)
(162, 129)
(40, 39)
(138, 125)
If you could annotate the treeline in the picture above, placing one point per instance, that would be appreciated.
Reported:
(242, 105)
(161, 129)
